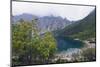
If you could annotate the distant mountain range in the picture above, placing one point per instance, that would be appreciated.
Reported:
(45, 23)
(24, 16)
(83, 29)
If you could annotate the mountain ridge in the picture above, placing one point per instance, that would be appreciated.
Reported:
(45, 23)
(82, 29)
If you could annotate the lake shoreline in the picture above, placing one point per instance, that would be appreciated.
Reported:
(64, 55)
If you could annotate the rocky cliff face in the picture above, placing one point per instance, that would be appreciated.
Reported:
(51, 23)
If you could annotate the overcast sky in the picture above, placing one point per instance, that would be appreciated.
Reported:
(70, 12)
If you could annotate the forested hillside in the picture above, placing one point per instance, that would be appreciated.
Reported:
(83, 29)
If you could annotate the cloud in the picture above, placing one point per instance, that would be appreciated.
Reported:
(71, 12)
